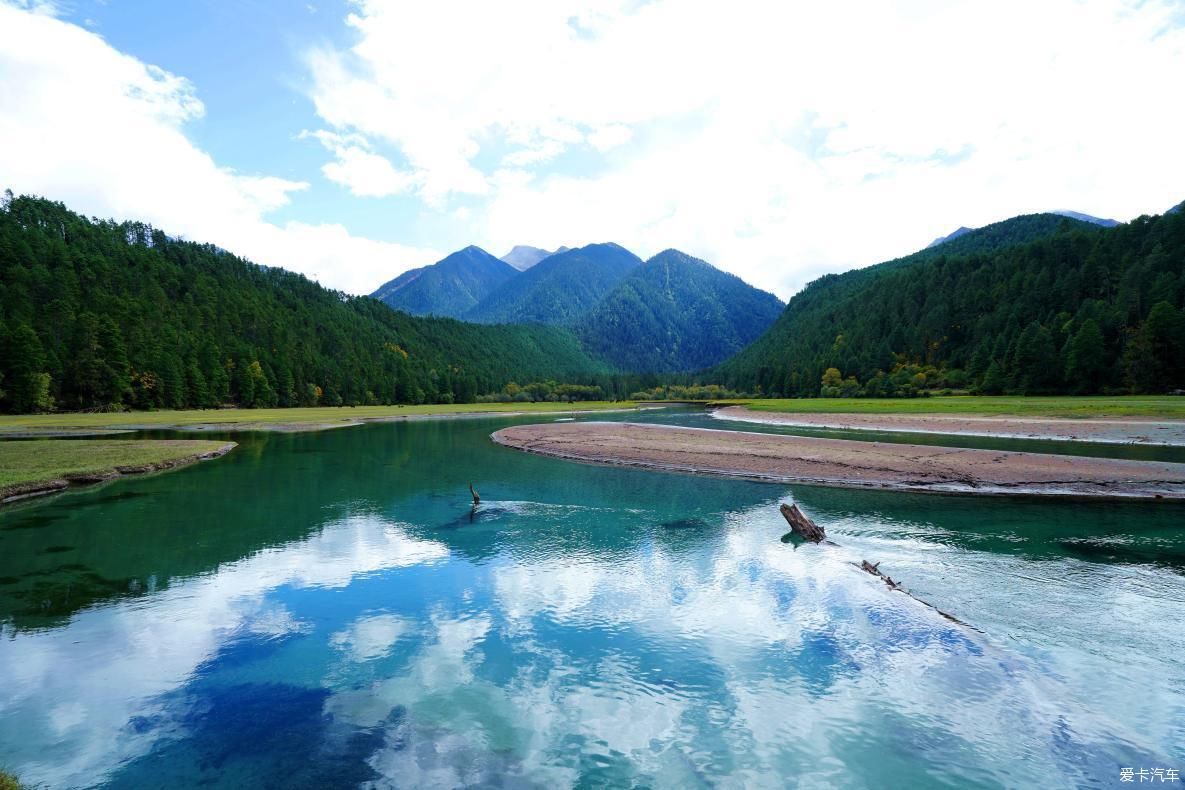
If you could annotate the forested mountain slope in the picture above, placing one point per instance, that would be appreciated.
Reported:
(1035, 304)
(559, 289)
(98, 314)
(450, 287)
(676, 313)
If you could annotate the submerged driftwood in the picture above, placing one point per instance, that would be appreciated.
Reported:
(874, 569)
(801, 525)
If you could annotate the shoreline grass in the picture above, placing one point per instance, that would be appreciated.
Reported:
(1168, 407)
(34, 466)
(277, 419)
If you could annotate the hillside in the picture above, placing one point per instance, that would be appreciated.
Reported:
(1034, 304)
(450, 287)
(98, 314)
(676, 313)
(560, 289)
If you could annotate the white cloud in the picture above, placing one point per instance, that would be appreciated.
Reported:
(103, 132)
(777, 140)
(360, 170)
(610, 136)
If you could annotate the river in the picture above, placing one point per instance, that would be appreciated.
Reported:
(327, 609)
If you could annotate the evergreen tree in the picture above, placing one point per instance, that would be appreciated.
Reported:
(24, 359)
(1086, 361)
(1164, 336)
(1034, 360)
(993, 380)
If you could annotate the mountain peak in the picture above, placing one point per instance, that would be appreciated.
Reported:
(962, 230)
(1074, 215)
(1078, 215)
(449, 287)
(673, 255)
(560, 288)
(674, 313)
(524, 256)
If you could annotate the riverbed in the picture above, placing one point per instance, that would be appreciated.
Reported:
(328, 609)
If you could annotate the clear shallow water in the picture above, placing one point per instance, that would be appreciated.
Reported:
(326, 610)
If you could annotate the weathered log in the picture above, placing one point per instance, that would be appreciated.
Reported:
(476, 498)
(801, 525)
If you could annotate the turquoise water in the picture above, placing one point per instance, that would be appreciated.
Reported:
(326, 610)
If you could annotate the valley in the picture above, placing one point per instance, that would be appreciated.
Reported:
(591, 395)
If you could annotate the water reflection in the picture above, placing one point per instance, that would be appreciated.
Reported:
(586, 626)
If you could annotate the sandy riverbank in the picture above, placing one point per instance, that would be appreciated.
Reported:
(1115, 430)
(846, 464)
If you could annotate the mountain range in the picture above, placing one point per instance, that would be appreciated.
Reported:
(672, 313)
(96, 314)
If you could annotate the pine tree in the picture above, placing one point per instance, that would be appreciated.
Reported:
(993, 380)
(1035, 360)
(24, 359)
(1086, 360)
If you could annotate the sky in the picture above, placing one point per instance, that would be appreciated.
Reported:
(351, 140)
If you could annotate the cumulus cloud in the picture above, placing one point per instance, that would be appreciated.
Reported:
(359, 169)
(104, 132)
(777, 140)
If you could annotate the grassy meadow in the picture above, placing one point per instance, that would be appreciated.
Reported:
(25, 463)
(1167, 407)
(264, 419)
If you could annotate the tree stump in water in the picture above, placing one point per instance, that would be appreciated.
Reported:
(801, 525)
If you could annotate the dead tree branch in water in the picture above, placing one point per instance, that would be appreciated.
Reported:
(874, 569)
(802, 526)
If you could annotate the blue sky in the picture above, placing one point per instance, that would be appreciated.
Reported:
(352, 139)
(246, 61)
